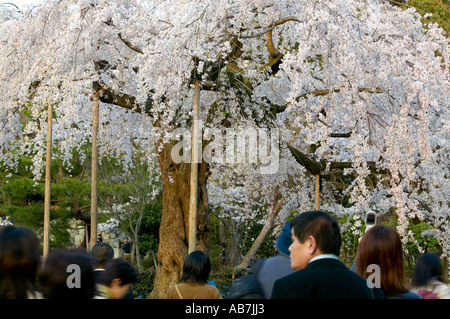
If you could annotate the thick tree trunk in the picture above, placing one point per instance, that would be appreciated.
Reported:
(173, 237)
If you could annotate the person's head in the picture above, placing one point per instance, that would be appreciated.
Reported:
(381, 245)
(101, 254)
(119, 275)
(19, 261)
(428, 267)
(313, 233)
(196, 268)
(284, 240)
(67, 274)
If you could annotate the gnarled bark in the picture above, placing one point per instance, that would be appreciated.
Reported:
(173, 237)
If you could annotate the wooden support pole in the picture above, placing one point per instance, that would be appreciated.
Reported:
(94, 174)
(194, 173)
(317, 191)
(48, 163)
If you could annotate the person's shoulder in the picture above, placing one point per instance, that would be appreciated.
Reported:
(332, 265)
(171, 292)
(294, 279)
(295, 275)
(282, 287)
(412, 295)
(215, 293)
(406, 295)
(443, 291)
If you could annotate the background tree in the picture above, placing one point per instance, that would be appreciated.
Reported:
(125, 194)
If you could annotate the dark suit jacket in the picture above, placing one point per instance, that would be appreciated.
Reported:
(324, 279)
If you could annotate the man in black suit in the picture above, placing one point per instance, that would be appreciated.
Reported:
(102, 253)
(314, 253)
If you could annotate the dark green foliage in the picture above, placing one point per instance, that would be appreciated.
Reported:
(149, 232)
(144, 285)
(22, 198)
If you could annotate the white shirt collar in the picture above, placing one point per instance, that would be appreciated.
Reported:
(324, 256)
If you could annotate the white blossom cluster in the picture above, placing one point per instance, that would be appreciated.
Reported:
(357, 67)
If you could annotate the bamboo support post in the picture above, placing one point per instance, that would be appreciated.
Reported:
(194, 173)
(94, 175)
(48, 163)
(317, 191)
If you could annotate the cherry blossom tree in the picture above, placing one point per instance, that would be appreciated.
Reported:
(355, 87)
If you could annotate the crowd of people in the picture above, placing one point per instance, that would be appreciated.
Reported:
(307, 266)
(63, 274)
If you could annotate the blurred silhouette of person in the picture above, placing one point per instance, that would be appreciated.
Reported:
(67, 274)
(19, 263)
(278, 266)
(101, 254)
(126, 249)
(427, 278)
(119, 276)
(381, 246)
(316, 243)
(194, 279)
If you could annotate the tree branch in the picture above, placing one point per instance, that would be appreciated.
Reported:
(282, 108)
(275, 24)
(276, 208)
(128, 44)
(270, 46)
(314, 167)
(336, 90)
(121, 99)
(317, 167)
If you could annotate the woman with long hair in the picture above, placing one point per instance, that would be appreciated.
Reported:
(381, 246)
(194, 280)
(19, 262)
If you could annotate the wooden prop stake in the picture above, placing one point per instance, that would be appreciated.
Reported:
(94, 175)
(48, 163)
(194, 173)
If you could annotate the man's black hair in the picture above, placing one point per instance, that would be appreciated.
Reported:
(322, 226)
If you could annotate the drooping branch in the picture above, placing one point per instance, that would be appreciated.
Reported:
(270, 28)
(124, 100)
(128, 44)
(110, 23)
(10, 4)
(282, 108)
(317, 167)
(336, 90)
(270, 46)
